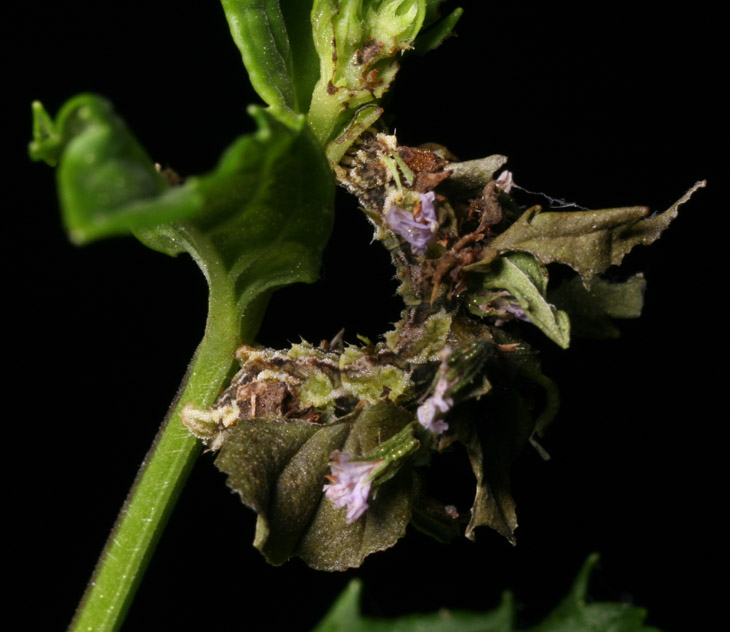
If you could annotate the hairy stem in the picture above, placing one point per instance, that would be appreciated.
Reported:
(165, 469)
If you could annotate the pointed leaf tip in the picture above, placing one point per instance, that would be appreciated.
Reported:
(588, 241)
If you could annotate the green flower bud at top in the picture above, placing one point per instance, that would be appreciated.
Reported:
(358, 43)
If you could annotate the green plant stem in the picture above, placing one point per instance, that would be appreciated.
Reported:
(324, 113)
(166, 467)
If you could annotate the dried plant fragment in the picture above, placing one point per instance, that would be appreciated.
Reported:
(328, 444)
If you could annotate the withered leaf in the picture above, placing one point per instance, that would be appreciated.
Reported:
(475, 174)
(587, 241)
(278, 468)
(492, 446)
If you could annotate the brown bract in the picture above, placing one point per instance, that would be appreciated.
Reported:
(427, 166)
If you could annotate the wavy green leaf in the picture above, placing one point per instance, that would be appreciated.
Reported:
(107, 183)
(588, 241)
(572, 615)
(258, 221)
(278, 468)
(267, 215)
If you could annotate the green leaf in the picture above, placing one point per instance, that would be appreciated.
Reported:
(276, 44)
(107, 183)
(435, 36)
(268, 210)
(278, 468)
(258, 221)
(591, 310)
(588, 241)
(524, 277)
(305, 61)
(344, 616)
(572, 615)
(575, 615)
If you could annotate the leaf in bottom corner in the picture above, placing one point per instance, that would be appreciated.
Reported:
(345, 616)
(574, 614)
(278, 467)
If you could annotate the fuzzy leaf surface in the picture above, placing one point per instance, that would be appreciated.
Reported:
(278, 468)
(588, 241)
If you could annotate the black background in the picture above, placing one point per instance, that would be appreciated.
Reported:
(609, 105)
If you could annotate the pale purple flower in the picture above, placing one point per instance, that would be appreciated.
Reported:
(419, 232)
(505, 181)
(350, 484)
(429, 417)
(430, 414)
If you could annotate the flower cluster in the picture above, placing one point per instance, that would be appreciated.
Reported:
(417, 229)
(350, 483)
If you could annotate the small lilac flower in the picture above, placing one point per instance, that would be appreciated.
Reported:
(430, 414)
(420, 231)
(349, 484)
(505, 181)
